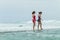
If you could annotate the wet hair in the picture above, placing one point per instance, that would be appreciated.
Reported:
(33, 12)
(40, 12)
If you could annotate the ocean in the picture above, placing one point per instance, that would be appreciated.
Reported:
(52, 34)
(51, 31)
(16, 15)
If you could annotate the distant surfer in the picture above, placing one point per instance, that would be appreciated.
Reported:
(39, 21)
(33, 19)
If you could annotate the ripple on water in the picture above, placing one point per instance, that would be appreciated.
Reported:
(30, 35)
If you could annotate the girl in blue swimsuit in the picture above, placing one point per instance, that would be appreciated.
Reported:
(39, 21)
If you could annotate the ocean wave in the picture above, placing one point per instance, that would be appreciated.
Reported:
(47, 24)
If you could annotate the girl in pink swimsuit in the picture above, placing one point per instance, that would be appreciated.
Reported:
(33, 19)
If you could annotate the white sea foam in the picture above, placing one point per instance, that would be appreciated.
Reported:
(47, 24)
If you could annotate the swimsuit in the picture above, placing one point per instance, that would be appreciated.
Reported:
(39, 19)
(34, 19)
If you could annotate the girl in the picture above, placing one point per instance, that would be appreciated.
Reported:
(33, 19)
(39, 20)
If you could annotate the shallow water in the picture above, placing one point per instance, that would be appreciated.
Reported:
(51, 34)
(50, 31)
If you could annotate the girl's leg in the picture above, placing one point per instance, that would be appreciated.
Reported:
(33, 26)
(38, 25)
(41, 26)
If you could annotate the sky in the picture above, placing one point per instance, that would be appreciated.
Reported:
(14, 11)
